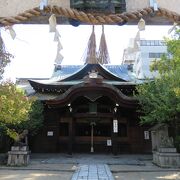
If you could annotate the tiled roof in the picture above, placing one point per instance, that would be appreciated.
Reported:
(119, 70)
(65, 71)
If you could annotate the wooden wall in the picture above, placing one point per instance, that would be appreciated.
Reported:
(133, 143)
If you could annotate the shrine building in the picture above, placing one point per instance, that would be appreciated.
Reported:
(90, 108)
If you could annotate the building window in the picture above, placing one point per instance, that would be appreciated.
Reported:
(156, 43)
(155, 55)
(152, 43)
(143, 43)
(148, 43)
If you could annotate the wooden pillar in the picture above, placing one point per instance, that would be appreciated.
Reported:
(114, 144)
(70, 142)
(114, 134)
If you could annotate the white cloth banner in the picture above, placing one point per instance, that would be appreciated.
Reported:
(52, 23)
(12, 32)
(56, 36)
(60, 47)
(141, 24)
(137, 38)
(59, 58)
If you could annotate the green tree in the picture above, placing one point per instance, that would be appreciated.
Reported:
(18, 112)
(160, 98)
(4, 56)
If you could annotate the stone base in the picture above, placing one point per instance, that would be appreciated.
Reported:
(167, 150)
(18, 156)
(166, 159)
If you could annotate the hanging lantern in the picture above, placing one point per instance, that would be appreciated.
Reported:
(121, 23)
(74, 22)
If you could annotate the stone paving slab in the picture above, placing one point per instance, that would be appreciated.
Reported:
(149, 167)
(92, 172)
(69, 163)
(88, 158)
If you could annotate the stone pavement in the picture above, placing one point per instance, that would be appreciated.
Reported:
(93, 172)
(63, 166)
(90, 159)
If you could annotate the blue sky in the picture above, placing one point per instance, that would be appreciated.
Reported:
(34, 48)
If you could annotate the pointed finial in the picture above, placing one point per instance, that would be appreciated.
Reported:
(103, 54)
(93, 28)
(90, 56)
(103, 29)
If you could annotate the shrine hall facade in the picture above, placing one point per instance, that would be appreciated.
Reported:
(90, 108)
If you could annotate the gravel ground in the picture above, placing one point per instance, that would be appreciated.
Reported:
(147, 176)
(34, 175)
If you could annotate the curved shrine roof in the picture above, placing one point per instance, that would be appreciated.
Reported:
(75, 72)
(70, 80)
(66, 76)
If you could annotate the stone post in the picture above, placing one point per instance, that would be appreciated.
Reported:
(164, 152)
(18, 156)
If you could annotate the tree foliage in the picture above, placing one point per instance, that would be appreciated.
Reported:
(160, 98)
(4, 57)
(18, 112)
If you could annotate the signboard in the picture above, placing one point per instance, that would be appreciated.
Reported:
(50, 133)
(146, 134)
(109, 142)
(115, 126)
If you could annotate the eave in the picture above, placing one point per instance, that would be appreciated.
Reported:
(83, 89)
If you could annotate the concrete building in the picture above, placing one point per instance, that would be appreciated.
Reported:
(142, 57)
